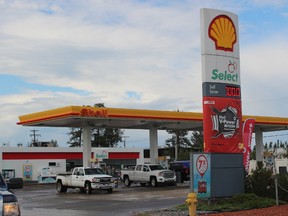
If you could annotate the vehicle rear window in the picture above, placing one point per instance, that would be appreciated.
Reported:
(93, 171)
(156, 167)
(179, 165)
(176, 166)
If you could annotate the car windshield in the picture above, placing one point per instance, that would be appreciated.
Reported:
(93, 171)
(156, 167)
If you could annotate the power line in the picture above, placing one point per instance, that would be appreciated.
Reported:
(34, 135)
(273, 135)
(277, 135)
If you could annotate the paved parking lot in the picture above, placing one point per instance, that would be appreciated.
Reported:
(45, 201)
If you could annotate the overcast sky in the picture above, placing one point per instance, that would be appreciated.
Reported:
(142, 54)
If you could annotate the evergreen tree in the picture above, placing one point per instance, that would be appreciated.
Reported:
(75, 137)
(253, 153)
(181, 143)
(197, 140)
(178, 140)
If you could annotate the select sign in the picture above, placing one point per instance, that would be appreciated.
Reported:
(220, 69)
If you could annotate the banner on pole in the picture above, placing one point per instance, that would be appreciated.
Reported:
(248, 128)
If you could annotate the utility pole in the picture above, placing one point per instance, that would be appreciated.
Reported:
(124, 141)
(34, 135)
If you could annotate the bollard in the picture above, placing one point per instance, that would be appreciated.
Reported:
(191, 201)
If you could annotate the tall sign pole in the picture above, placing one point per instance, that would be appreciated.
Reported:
(222, 112)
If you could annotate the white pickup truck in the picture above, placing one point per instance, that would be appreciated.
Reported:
(148, 173)
(86, 179)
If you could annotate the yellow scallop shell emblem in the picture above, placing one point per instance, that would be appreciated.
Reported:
(223, 32)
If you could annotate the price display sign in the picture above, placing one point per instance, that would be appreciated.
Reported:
(201, 175)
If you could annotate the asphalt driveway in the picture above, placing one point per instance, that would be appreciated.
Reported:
(45, 201)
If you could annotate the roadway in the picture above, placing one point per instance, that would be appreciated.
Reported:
(44, 200)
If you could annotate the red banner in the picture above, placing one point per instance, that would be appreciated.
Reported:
(222, 121)
(248, 128)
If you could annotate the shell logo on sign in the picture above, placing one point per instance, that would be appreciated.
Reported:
(223, 32)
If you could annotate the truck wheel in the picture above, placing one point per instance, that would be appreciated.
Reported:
(110, 190)
(127, 182)
(60, 188)
(88, 188)
(153, 182)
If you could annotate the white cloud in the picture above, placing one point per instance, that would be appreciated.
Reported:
(264, 76)
(126, 54)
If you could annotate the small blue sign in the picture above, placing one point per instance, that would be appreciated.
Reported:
(202, 175)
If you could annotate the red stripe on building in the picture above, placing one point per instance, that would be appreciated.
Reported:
(123, 155)
(41, 155)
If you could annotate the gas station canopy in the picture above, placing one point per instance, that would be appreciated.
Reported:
(101, 117)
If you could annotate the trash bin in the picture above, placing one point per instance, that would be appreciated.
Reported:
(15, 183)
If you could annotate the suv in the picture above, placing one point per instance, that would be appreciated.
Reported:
(8, 202)
(181, 168)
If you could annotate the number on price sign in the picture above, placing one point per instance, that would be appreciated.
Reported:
(202, 164)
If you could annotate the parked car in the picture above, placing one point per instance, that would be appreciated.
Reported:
(182, 170)
(9, 205)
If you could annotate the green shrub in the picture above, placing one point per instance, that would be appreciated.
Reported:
(261, 182)
(283, 187)
(236, 203)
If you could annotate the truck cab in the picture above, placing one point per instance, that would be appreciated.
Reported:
(9, 205)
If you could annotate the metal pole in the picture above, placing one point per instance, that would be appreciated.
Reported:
(176, 145)
(276, 190)
(191, 174)
(276, 181)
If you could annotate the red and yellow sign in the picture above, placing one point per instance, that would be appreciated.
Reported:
(92, 112)
(223, 32)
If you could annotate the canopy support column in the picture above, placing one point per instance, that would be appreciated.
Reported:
(153, 135)
(86, 146)
(259, 145)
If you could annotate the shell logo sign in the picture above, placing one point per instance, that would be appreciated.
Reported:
(223, 32)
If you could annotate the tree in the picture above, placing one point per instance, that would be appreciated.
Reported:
(106, 137)
(54, 143)
(261, 181)
(178, 140)
(75, 137)
(100, 137)
(197, 140)
(180, 145)
(253, 153)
